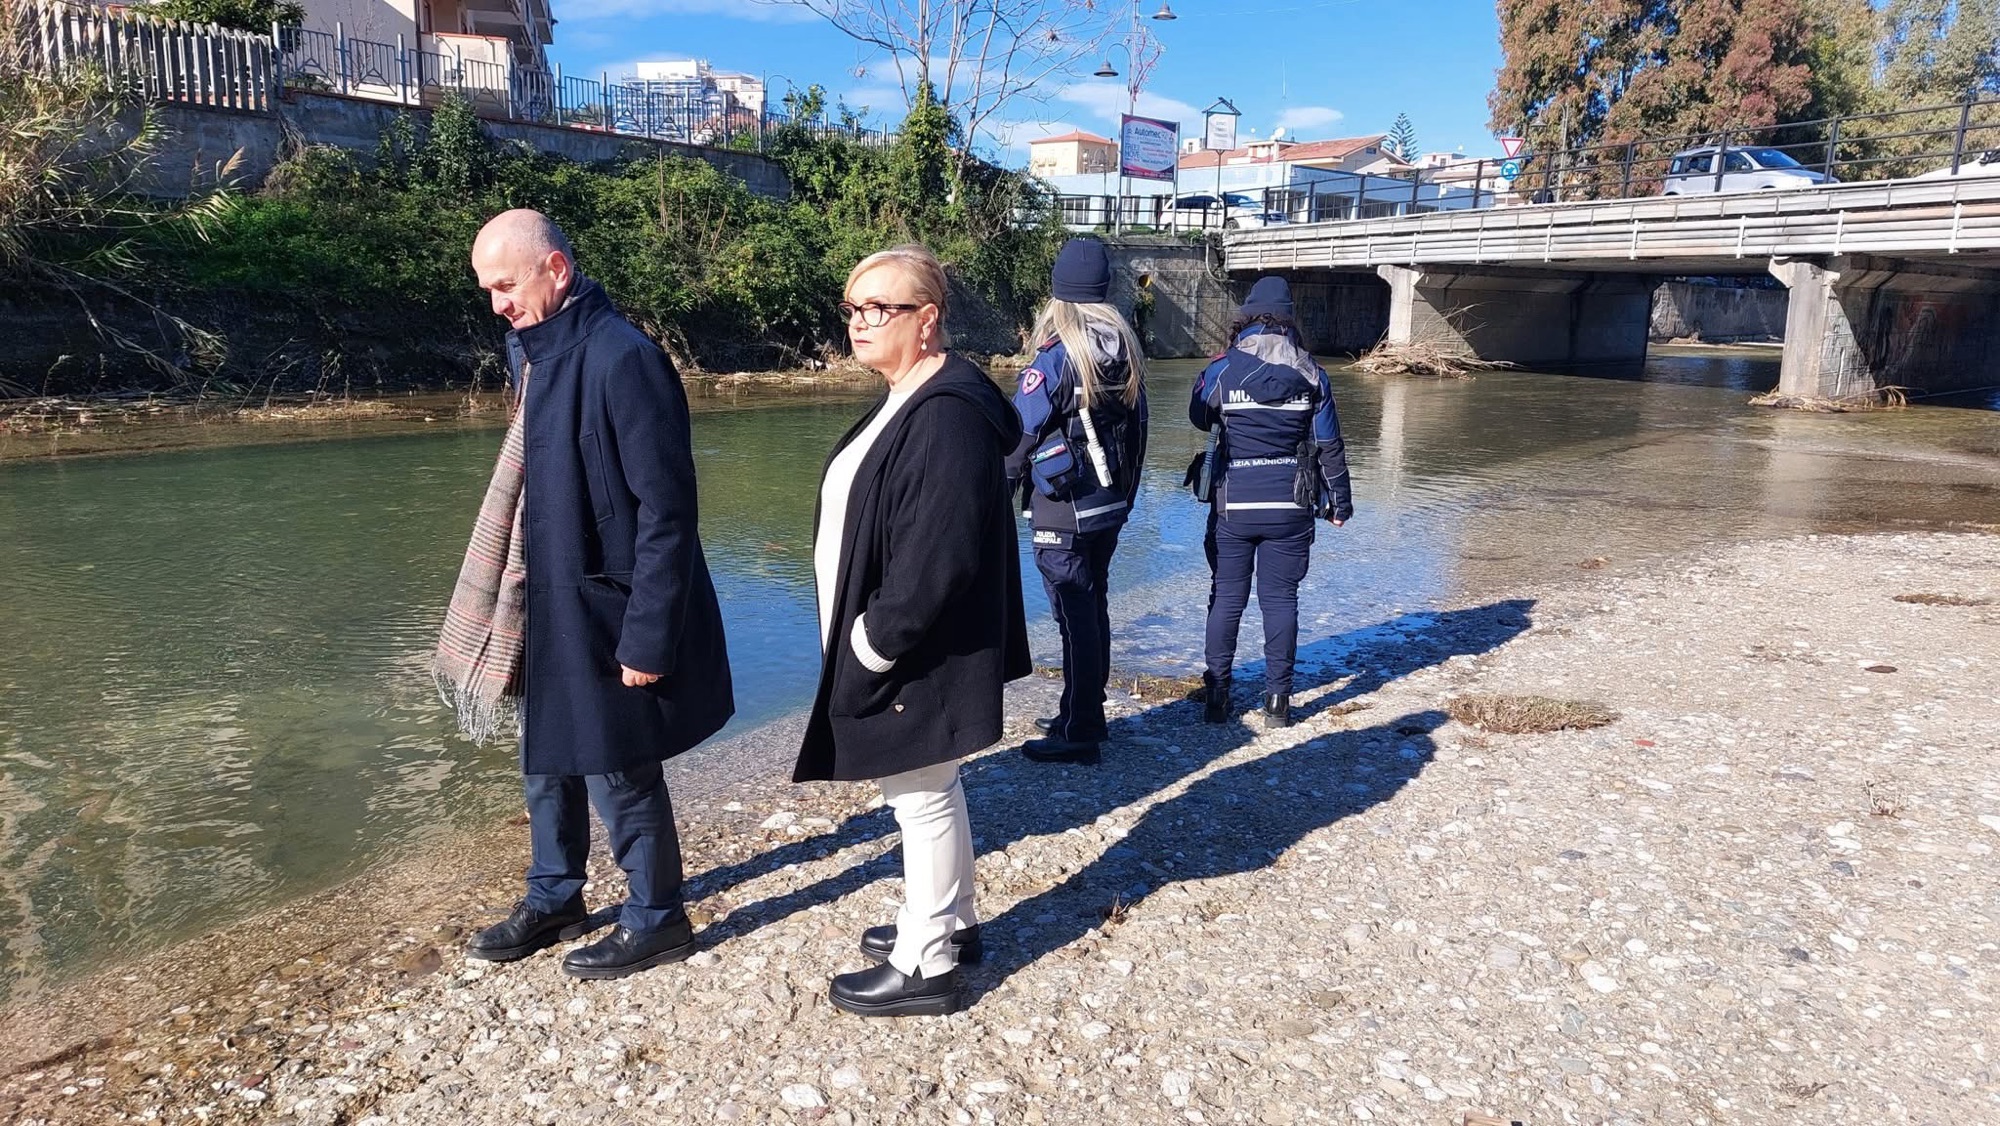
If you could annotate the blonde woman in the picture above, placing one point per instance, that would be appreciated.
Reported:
(1083, 418)
(920, 618)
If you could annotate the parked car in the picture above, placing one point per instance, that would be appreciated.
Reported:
(1692, 172)
(1208, 213)
(1985, 164)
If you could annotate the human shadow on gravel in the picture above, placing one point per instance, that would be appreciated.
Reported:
(1013, 800)
(1241, 818)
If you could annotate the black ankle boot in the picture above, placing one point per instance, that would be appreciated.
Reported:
(1216, 707)
(1278, 709)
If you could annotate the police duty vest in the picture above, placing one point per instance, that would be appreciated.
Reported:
(1265, 403)
(1067, 496)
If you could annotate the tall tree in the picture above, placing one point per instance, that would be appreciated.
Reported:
(1566, 63)
(1709, 65)
(975, 57)
(1403, 137)
(1936, 51)
(1577, 72)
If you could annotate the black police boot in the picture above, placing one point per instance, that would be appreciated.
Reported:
(1216, 706)
(1052, 749)
(1278, 709)
(625, 951)
(884, 991)
(1045, 723)
(964, 944)
(528, 930)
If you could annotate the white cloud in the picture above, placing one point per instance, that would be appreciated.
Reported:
(1305, 119)
(1106, 100)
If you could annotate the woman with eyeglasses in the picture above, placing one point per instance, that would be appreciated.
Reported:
(920, 618)
(1083, 419)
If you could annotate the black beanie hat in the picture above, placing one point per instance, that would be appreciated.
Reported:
(1270, 296)
(1082, 273)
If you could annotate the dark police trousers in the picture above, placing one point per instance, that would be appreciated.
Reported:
(640, 822)
(1077, 579)
(1278, 554)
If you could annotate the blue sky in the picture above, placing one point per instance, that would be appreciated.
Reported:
(1318, 68)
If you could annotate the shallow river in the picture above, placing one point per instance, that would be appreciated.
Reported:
(212, 686)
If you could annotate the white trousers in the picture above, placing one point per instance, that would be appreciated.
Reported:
(929, 804)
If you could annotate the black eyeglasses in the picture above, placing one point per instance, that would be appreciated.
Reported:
(874, 314)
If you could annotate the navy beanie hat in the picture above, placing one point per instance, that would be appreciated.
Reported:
(1270, 296)
(1082, 273)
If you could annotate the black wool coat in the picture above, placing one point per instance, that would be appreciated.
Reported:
(929, 553)
(616, 574)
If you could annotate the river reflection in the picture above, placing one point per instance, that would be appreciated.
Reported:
(212, 692)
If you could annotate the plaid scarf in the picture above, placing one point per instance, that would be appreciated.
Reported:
(478, 661)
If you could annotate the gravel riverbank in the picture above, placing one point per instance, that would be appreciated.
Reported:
(1764, 894)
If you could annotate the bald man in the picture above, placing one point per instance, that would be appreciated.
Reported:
(586, 598)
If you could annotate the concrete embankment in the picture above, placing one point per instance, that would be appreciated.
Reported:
(1762, 894)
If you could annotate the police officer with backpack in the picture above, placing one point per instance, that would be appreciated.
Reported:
(1082, 404)
(1275, 463)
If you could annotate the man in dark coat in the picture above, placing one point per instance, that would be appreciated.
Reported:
(622, 661)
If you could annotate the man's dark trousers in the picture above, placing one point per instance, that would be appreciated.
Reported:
(639, 819)
(1279, 555)
(1077, 579)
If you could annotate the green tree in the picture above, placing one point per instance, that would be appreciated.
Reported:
(1403, 137)
(243, 15)
(1936, 51)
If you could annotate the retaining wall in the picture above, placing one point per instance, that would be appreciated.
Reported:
(199, 141)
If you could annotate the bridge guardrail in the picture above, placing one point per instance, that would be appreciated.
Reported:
(1940, 219)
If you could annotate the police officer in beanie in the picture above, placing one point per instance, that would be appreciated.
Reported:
(1276, 463)
(1082, 404)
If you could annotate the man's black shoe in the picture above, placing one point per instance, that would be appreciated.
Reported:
(1278, 710)
(1060, 750)
(964, 944)
(1215, 706)
(1045, 723)
(528, 930)
(884, 991)
(625, 951)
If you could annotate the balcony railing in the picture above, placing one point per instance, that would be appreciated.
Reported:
(170, 61)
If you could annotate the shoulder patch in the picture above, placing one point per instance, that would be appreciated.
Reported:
(1031, 381)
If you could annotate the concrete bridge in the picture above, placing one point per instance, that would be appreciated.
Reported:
(1892, 283)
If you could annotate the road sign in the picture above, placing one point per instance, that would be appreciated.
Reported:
(1511, 146)
(1511, 170)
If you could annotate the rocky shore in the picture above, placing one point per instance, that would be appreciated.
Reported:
(1763, 893)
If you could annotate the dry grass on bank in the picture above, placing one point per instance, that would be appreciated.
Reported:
(1528, 715)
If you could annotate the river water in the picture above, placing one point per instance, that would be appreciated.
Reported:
(212, 686)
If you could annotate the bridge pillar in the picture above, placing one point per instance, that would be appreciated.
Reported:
(1527, 317)
(1856, 324)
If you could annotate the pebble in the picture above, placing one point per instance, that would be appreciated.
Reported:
(1320, 908)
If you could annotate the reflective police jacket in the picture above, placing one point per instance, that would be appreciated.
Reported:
(1270, 395)
(1053, 464)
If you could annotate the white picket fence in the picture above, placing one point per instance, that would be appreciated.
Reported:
(164, 60)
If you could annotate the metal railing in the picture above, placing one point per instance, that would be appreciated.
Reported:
(1941, 141)
(1329, 197)
(171, 61)
(1896, 144)
(339, 63)
(160, 60)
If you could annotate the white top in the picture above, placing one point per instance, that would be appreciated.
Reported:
(833, 495)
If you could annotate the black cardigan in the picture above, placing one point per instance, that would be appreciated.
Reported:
(929, 553)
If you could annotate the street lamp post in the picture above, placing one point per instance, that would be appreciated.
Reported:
(1142, 54)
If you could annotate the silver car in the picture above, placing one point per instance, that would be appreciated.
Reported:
(1743, 170)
